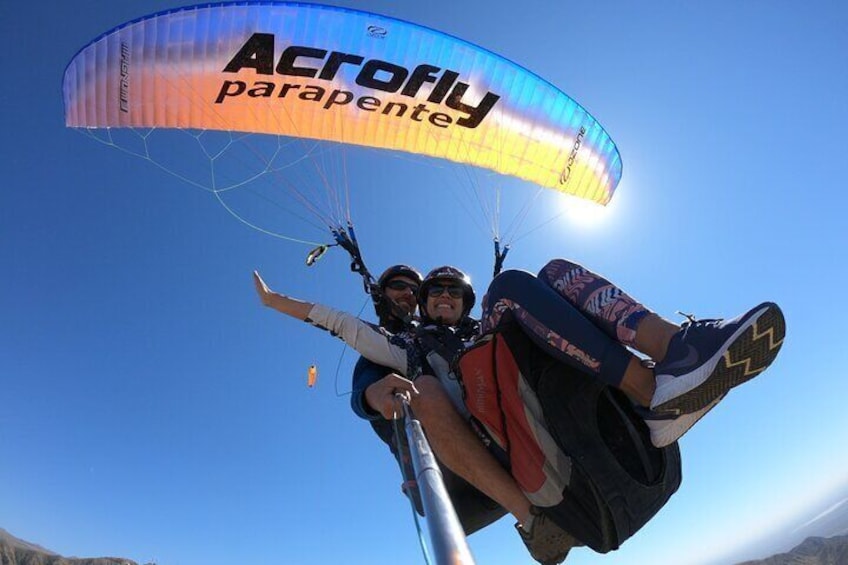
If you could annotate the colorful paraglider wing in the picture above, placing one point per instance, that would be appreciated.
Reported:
(320, 72)
(311, 376)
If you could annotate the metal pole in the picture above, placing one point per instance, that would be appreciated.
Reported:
(446, 534)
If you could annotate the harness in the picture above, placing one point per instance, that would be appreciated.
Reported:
(575, 446)
(439, 347)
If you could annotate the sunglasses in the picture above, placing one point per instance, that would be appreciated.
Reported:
(440, 289)
(402, 285)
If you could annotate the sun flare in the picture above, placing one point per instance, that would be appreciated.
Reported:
(584, 213)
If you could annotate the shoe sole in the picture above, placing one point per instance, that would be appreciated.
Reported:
(554, 549)
(748, 355)
(678, 427)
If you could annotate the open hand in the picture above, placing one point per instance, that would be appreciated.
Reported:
(262, 289)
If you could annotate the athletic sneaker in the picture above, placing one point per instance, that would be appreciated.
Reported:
(547, 543)
(707, 358)
(666, 428)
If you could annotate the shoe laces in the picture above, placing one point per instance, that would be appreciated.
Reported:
(693, 322)
(690, 317)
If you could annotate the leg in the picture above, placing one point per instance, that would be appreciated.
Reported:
(638, 382)
(606, 305)
(697, 364)
(459, 448)
(692, 372)
(564, 332)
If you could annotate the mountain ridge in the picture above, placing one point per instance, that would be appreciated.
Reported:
(812, 551)
(15, 551)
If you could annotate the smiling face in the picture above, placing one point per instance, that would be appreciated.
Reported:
(444, 302)
(401, 290)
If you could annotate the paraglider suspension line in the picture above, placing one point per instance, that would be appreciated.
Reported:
(346, 239)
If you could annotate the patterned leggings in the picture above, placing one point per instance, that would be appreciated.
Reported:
(572, 313)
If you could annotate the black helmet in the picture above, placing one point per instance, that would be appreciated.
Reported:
(398, 271)
(447, 273)
(389, 319)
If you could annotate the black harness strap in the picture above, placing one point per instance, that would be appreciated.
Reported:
(500, 256)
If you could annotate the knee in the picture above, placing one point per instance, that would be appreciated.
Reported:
(555, 268)
(561, 264)
(508, 281)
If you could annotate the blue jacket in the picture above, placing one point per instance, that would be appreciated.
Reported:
(365, 374)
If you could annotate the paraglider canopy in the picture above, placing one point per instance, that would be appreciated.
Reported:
(326, 73)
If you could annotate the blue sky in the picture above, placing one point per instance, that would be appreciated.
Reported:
(152, 409)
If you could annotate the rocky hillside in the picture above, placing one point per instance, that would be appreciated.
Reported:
(812, 551)
(14, 551)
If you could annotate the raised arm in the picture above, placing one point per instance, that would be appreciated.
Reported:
(368, 341)
(280, 302)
